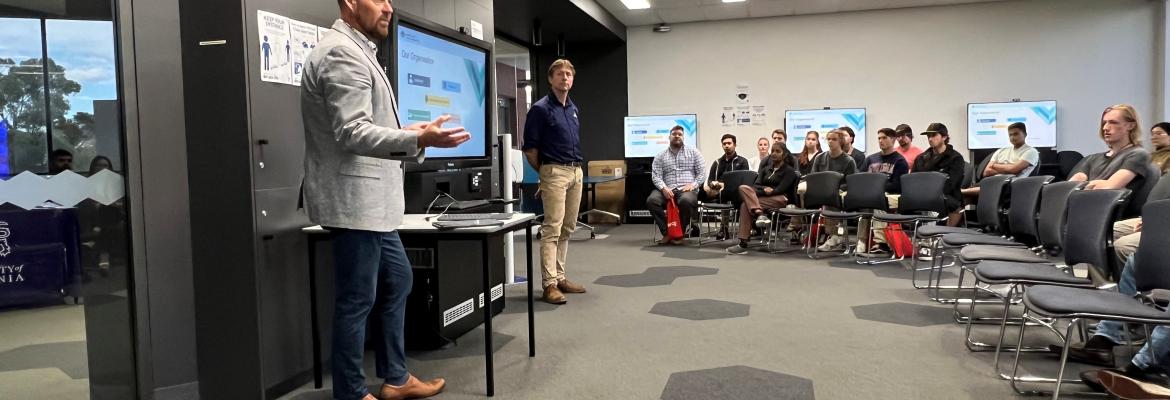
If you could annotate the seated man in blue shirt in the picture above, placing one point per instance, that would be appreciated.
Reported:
(678, 175)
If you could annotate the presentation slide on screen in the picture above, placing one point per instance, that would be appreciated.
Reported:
(798, 123)
(436, 76)
(646, 136)
(987, 123)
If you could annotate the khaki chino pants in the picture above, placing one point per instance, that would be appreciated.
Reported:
(560, 191)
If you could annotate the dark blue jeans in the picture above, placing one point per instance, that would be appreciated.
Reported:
(373, 274)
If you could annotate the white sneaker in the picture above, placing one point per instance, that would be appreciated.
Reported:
(834, 243)
(763, 222)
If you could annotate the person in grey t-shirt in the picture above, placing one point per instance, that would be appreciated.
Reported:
(836, 159)
(1126, 162)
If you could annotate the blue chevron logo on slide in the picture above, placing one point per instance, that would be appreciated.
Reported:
(1048, 114)
(688, 125)
(856, 120)
(477, 76)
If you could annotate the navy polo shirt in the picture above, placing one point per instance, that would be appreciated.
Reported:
(553, 130)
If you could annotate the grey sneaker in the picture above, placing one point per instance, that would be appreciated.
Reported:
(737, 249)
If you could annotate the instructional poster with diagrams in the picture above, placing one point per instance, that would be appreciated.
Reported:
(727, 117)
(275, 47)
(759, 115)
(743, 116)
(304, 40)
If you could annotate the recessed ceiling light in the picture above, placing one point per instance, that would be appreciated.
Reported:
(636, 4)
(734, 1)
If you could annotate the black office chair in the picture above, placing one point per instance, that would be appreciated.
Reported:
(922, 195)
(1076, 304)
(992, 192)
(867, 192)
(729, 202)
(1053, 207)
(1142, 194)
(1068, 160)
(1088, 237)
(1022, 221)
(823, 189)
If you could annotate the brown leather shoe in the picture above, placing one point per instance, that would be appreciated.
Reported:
(413, 389)
(568, 286)
(552, 295)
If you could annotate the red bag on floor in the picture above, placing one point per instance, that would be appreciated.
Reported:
(673, 222)
(814, 233)
(899, 243)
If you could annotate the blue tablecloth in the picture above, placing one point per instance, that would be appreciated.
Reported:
(39, 256)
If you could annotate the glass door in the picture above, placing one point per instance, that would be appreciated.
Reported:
(65, 302)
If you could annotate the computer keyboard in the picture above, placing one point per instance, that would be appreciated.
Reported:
(468, 217)
(467, 223)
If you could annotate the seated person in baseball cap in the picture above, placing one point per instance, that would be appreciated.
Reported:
(942, 157)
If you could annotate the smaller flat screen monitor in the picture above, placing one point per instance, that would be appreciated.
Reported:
(987, 123)
(648, 135)
(798, 123)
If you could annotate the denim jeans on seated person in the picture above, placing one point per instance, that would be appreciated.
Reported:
(372, 274)
(1157, 345)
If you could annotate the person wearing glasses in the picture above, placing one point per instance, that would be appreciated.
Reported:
(1160, 136)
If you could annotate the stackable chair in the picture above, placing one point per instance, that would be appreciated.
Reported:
(988, 208)
(1088, 238)
(1076, 304)
(867, 193)
(1053, 204)
(922, 201)
(1019, 231)
(823, 189)
(729, 200)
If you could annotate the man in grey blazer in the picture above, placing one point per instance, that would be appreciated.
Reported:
(353, 187)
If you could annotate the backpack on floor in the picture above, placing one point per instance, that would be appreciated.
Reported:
(899, 243)
(673, 222)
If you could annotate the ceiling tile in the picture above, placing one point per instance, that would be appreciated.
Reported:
(678, 11)
(725, 11)
(679, 15)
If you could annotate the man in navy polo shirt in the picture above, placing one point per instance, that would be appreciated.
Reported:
(552, 144)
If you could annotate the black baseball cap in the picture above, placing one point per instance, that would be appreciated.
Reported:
(935, 128)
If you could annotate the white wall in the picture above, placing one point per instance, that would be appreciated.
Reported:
(914, 66)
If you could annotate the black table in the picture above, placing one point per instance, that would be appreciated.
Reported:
(416, 224)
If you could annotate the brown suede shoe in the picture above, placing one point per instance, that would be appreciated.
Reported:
(568, 286)
(413, 389)
(552, 295)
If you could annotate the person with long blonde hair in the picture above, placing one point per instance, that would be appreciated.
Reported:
(1125, 163)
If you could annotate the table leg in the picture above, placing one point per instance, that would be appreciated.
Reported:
(531, 325)
(316, 330)
(487, 316)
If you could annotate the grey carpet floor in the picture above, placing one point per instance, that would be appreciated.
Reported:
(690, 323)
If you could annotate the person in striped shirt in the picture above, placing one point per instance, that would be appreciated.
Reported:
(678, 173)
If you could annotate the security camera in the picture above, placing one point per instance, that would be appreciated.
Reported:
(661, 28)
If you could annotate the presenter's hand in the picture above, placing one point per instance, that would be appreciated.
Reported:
(435, 135)
(669, 194)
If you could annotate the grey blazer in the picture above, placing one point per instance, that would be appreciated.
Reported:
(352, 135)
